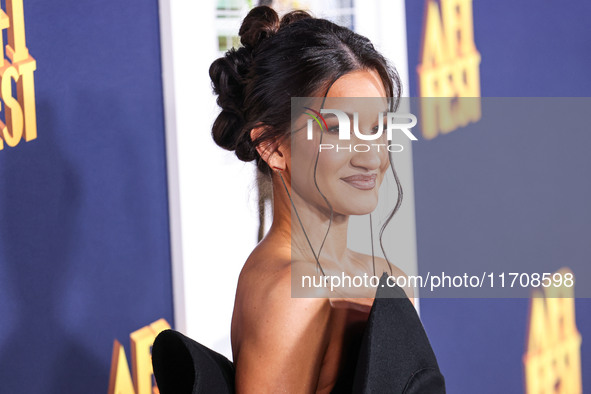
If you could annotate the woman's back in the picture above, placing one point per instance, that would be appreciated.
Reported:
(305, 343)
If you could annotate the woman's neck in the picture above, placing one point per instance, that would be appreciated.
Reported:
(315, 222)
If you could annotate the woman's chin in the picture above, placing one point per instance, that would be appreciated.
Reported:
(358, 209)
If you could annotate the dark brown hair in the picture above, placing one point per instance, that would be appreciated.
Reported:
(297, 56)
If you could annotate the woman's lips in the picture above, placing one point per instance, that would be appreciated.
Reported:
(363, 182)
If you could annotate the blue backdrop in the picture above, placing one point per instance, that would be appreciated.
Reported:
(84, 238)
(529, 49)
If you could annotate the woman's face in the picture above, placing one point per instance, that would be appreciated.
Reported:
(349, 171)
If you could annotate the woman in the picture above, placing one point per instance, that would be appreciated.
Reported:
(306, 344)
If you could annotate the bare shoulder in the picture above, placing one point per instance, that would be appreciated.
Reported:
(267, 288)
(278, 340)
(382, 265)
(397, 272)
(389, 268)
(269, 294)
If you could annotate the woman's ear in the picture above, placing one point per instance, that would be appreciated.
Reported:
(270, 151)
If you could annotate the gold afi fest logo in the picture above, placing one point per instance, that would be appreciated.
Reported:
(449, 69)
(16, 66)
(120, 381)
(552, 360)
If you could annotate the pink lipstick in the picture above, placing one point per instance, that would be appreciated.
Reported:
(362, 182)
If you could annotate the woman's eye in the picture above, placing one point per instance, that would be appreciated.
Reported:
(333, 130)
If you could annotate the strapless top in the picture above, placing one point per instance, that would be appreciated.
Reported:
(392, 356)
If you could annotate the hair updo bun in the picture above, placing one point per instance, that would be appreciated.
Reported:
(228, 77)
(260, 23)
(295, 56)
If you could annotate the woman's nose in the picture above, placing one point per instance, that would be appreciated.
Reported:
(367, 154)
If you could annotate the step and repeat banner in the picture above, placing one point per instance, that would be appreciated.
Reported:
(500, 182)
(502, 190)
(84, 237)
